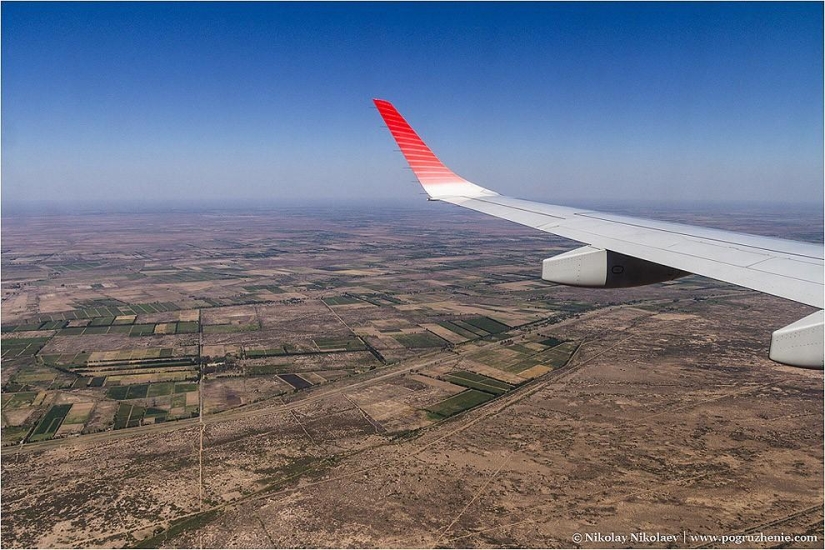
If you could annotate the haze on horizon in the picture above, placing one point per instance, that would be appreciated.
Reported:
(263, 102)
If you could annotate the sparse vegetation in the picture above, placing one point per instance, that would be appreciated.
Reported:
(364, 384)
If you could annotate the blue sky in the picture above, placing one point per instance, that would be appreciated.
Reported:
(272, 102)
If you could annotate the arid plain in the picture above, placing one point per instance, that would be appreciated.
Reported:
(339, 377)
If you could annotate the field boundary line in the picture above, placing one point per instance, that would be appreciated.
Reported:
(301, 424)
(263, 526)
(472, 500)
(774, 522)
(374, 423)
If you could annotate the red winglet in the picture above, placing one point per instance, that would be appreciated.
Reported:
(436, 179)
(425, 165)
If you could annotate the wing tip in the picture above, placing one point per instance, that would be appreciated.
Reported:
(436, 179)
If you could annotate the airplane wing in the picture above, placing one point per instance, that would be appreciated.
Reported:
(625, 251)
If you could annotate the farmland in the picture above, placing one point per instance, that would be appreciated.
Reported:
(135, 328)
(188, 379)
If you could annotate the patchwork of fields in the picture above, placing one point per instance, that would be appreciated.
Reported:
(136, 336)
(390, 379)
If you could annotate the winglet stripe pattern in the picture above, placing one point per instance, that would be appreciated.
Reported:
(425, 165)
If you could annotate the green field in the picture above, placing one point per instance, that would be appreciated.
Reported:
(271, 352)
(421, 340)
(18, 400)
(551, 342)
(117, 392)
(553, 357)
(461, 402)
(139, 391)
(13, 434)
(22, 347)
(53, 325)
(20, 328)
(36, 375)
(81, 382)
(268, 369)
(66, 360)
(478, 382)
(560, 355)
(50, 423)
(477, 332)
(101, 321)
(269, 288)
(75, 417)
(463, 332)
(154, 412)
(104, 329)
(141, 330)
(128, 416)
(187, 327)
(96, 308)
(348, 343)
(489, 325)
(341, 300)
(161, 388)
(381, 299)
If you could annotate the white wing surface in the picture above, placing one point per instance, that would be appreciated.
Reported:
(788, 269)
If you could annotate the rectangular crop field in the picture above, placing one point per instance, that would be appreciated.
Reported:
(187, 327)
(478, 332)
(461, 402)
(142, 330)
(551, 342)
(13, 434)
(341, 300)
(224, 329)
(421, 340)
(101, 321)
(295, 381)
(22, 347)
(347, 343)
(458, 330)
(128, 416)
(137, 391)
(252, 353)
(490, 325)
(18, 400)
(53, 325)
(269, 288)
(124, 320)
(478, 382)
(79, 414)
(117, 392)
(50, 422)
(557, 356)
(159, 389)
